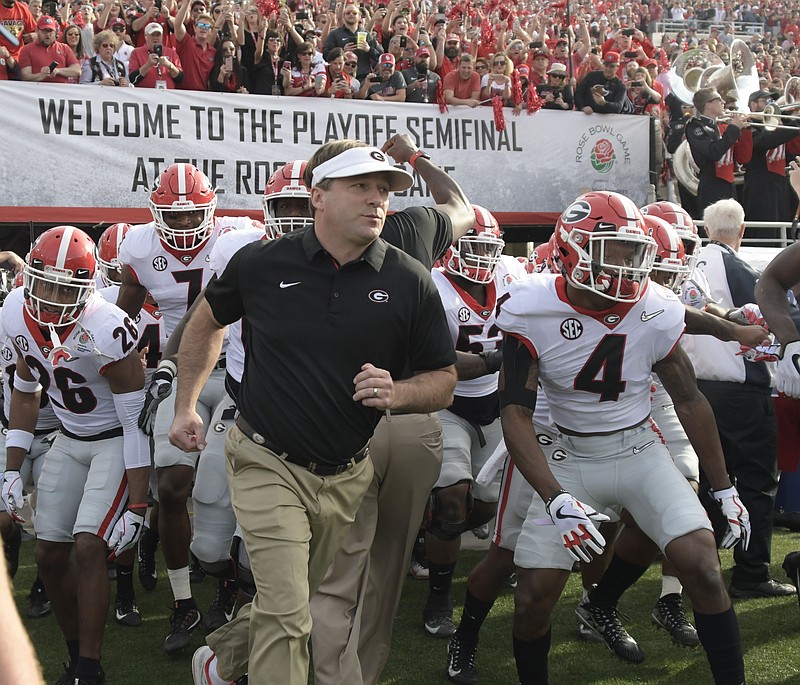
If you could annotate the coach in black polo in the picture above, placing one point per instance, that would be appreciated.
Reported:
(334, 314)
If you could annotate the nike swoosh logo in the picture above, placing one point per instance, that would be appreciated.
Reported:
(642, 448)
(653, 315)
(283, 284)
(559, 515)
(796, 362)
(136, 527)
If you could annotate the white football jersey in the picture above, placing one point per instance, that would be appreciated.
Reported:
(472, 325)
(696, 290)
(227, 245)
(152, 331)
(594, 366)
(47, 418)
(80, 396)
(174, 278)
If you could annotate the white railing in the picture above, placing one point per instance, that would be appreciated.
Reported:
(784, 239)
(741, 28)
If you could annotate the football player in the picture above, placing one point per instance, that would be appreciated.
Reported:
(474, 277)
(92, 494)
(592, 337)
(169, 259)
(152, 339)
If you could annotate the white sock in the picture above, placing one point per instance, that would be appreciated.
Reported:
(670, 585)
(179, 581)
(213, 676)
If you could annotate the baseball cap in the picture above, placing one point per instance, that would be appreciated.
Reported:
(524, 70)
(451, 37)
(540, 53)
(153, 27)
(362, 160)
(557, 68)
(386, 60)
(757, 95)
(651, 63)
(117, 22)
(423, 52)
(562, 41)
(611, 57)
(46, 23)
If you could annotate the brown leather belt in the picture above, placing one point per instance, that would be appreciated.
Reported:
(311, 466)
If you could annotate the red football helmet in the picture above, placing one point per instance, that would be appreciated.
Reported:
(59, 275)
(670, 268)
(108, 253)
(183, 189)
(604, 247)
(677, 217)
(476, 254)
(286, 182)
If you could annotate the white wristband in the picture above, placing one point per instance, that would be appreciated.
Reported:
(26, 386)
(19, 438)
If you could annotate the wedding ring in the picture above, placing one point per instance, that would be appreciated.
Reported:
(374, 392)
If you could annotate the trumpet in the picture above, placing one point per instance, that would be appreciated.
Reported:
(769, 119)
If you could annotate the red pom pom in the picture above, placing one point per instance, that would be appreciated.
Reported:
(534, 101)
(440, 97)
(487, 34)
(499, 117)
(516, 88)
(267, 7)
(79, 21)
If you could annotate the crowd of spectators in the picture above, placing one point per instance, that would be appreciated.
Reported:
(464, 53)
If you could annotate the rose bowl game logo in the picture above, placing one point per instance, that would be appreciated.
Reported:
(602, 156)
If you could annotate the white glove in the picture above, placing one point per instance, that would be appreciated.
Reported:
(747, 315)
(126, 532)
(736, 515)
(12, 494)
(787, 375)
(159, 389)
(575, 522)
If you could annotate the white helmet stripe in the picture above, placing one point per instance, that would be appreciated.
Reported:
(294, 170)
(181, 179)
(120, 236)
(63, 249)
(484, 217)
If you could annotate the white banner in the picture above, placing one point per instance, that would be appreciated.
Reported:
(93, 146)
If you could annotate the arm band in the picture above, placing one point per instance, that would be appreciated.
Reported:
(516, 367)
(135, 446)
(19, 438)
(26, 386)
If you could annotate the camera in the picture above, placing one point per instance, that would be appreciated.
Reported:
(403, 41)
(158, 49)
(533, 45)
(630, 54)
(628, 32)
(53, 65)
(637, 84)
(287, 65)
(157, 4)
(302, 14)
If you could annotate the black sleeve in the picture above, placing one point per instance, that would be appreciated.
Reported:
(675, 135)
(704, 147)
(424, 233)
(223, 294)
(767, 140)
(615, 99)
(582, 93)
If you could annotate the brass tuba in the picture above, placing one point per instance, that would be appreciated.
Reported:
(685, 75)
(736, 81)
(685, 169)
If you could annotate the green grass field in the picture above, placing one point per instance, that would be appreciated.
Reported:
(770, 635)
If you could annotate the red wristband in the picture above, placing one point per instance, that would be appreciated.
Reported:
(144, 505)
(413, 159)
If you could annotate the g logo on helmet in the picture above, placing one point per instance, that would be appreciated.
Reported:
(576, 212)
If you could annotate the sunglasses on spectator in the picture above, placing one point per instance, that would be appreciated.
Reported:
(118, 29)
(502, 63)
(107, 45)
(481, 66)
(561, 76)
(274, 38)
(203, 25)
(304, 53)
(351, 64)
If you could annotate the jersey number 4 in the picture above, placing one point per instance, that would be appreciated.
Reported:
(605, 362)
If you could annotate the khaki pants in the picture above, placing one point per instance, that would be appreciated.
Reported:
(293, 523)
(354, 608)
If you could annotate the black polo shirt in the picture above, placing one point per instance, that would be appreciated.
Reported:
(311, 326)
(424, 233)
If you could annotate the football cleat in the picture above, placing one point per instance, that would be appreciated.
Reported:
(38, 602)
(461, 660)
(183, 621)
(11, 548)
(481, 532)
(68, 676)
(438, 622)
(222, 606)
(670, 615)
(605, 624)
(148, 571)
(126, 613)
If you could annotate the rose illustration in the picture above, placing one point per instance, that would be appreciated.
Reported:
(603, 156)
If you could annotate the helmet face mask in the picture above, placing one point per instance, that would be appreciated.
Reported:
(671, 267)
(475, 256)
(603, 246)
(285, 200)
(183, 205)
(59, 276)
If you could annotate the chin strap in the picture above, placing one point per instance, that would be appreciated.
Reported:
(59, 353)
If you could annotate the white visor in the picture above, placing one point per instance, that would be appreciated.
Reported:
(362, 160)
